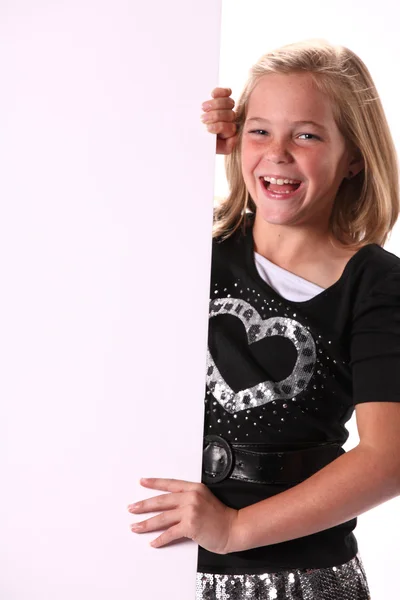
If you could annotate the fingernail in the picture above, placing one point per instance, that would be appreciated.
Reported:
(136, 527)
(132, 507)
(206, 106)
(211, 128)
(205, 118)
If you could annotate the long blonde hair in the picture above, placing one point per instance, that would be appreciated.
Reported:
(366, 206)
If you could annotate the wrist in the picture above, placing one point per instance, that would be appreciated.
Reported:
(233, 541)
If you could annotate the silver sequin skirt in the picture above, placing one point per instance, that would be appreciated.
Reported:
(343, 582)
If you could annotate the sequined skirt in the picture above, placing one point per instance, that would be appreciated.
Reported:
(343, 582)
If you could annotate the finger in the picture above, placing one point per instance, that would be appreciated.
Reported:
(168, 485)
(171, 535)
(226, 116)
(218, 104)
(155, 504)
(221, 92)
(225, 146)
(163, 521)
(223, 130)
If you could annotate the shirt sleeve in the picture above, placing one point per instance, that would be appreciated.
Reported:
(375, 343)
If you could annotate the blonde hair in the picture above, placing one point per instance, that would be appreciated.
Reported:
(366, 206)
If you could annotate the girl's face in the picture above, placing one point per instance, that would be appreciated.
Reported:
(290, 134)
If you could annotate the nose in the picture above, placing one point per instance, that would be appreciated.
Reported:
(277, 151)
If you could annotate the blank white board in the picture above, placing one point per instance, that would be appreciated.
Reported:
(106, 195)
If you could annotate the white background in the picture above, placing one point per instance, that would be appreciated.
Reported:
(106, 192)
(249, 29)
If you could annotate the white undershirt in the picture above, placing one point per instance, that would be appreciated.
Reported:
(286, 284)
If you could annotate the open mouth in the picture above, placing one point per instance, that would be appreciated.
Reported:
(283, 187)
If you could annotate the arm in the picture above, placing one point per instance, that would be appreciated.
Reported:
(357, 481)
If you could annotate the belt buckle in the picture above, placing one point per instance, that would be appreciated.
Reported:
(218, 453)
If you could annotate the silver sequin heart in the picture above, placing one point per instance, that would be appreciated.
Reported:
(258, 328)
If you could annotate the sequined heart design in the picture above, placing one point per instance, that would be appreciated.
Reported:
(258, 328)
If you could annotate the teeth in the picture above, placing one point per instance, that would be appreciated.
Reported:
(279, 181)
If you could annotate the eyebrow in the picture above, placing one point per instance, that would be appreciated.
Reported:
(260, 119)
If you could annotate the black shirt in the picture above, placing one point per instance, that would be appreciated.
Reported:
(287, 374)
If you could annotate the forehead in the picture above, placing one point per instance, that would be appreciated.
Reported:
(289, 97)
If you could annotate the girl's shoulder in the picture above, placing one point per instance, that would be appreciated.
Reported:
(238, 235)
(373, 278)
(374, 260)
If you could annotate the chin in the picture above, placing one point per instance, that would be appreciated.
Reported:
(273, 218)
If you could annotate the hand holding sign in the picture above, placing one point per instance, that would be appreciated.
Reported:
(189, 510)
(219, 117)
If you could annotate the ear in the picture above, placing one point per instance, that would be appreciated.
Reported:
(356, 165)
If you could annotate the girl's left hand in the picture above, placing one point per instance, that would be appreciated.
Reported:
(189, 510)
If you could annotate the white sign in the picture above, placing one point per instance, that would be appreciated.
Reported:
(106, 194)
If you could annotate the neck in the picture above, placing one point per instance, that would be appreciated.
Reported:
(290, 245)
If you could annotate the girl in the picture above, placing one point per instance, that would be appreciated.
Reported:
(304, 328)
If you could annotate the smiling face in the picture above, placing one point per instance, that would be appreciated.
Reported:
(290, 137)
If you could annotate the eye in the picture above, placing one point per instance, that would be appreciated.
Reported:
(258, 131)
(310, 136)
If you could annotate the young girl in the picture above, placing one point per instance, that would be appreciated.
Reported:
(304, 327)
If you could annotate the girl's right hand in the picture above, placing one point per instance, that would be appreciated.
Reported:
(219, 117)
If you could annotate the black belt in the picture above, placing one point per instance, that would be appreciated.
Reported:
(223, 460)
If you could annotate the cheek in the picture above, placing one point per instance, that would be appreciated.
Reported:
(249, 159)
(326, 165)
(246, 166)
(321, 168)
